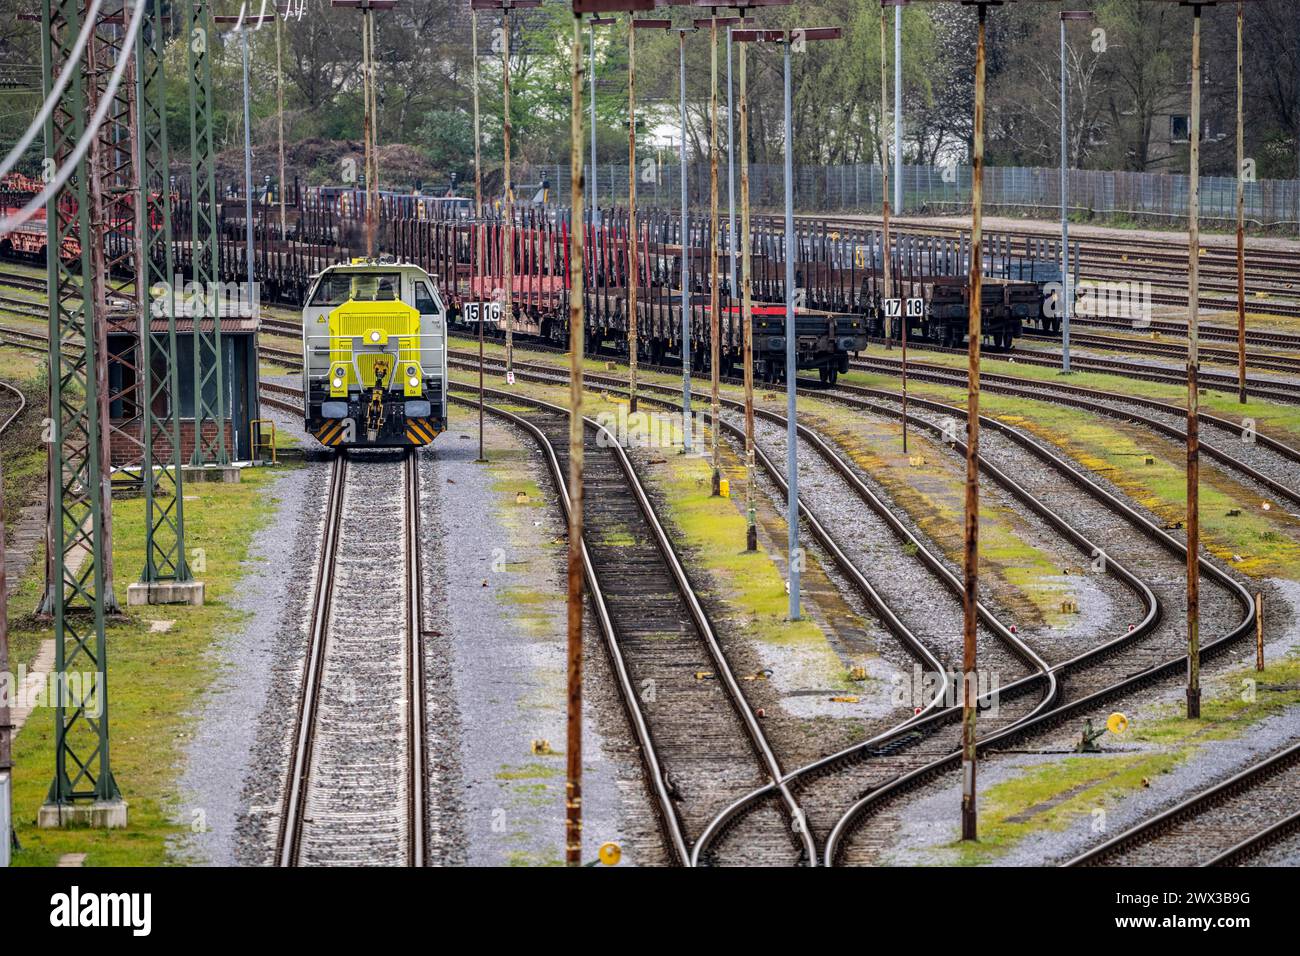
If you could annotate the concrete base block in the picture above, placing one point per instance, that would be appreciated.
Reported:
(226, 473)
(102, 815)
(165, 592)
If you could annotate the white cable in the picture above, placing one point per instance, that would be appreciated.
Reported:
(65, 77)
(52, 188)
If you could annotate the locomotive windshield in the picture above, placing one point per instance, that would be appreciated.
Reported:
(335, 288)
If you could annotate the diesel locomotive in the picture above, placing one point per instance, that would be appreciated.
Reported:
(374, 345)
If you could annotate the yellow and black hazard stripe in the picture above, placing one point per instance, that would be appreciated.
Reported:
(419, 431)
(331, 433)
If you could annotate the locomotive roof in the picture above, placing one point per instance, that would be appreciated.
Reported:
(361, 268)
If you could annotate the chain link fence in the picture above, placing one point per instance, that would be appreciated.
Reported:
(1029, 191)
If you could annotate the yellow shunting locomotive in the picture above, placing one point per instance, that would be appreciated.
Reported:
(374, 342)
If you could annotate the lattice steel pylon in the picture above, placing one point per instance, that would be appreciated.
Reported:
(82, 769)
(113, 189)
(209, 385)
(159, 379)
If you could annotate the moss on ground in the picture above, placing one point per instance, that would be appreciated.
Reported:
(928, 484)
(158, 678)
(1280, 421)
(1056, 795)
(750, 583)
(1258, 541)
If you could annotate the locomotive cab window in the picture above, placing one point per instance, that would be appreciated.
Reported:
(425, 303)
(333, 289)
(375, 287)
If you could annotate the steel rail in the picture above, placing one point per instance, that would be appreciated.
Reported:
(1218, 333)
(417, 753)
(699, 618)
(1267, 441)
(1193, 806)
(936, 375)
(1055, 717)
(22, 405)
(289, 839)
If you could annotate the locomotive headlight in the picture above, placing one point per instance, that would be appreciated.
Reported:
(413, 382)
(374, 335)
(338, 381)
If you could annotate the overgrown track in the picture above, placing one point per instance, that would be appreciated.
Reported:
(1208, 332)
(1097, 677)
(915, 743)
(1224, 825)
(357, 786)
(1163, 262)
(1273, 463)
(1265, 361)
(700, 741)
(1277, 390)
(19, 400)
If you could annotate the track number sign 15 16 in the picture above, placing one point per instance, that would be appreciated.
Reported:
(491, 312)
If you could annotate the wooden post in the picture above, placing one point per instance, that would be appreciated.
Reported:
(632, 258)
(970, 565)
(1259, 631)
(1193, 400)
(746, 311)
(573, 755)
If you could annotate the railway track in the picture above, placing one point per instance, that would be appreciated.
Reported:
(1088, 684)
(19, 401)
(1117, 257)
(700, 740)
(356, 793)
(1284, 392)
(1206, 331)
(1227, 824)
(28, 283)
(1272, 466)
(1112, 670)
(1274, 363)
(732, 829)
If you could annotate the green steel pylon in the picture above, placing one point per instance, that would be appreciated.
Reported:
(161, 428)
(82, 769)
(205, 270)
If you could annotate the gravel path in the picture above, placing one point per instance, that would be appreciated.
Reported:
(502, 664)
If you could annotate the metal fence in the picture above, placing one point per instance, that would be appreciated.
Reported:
(1272, 203)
